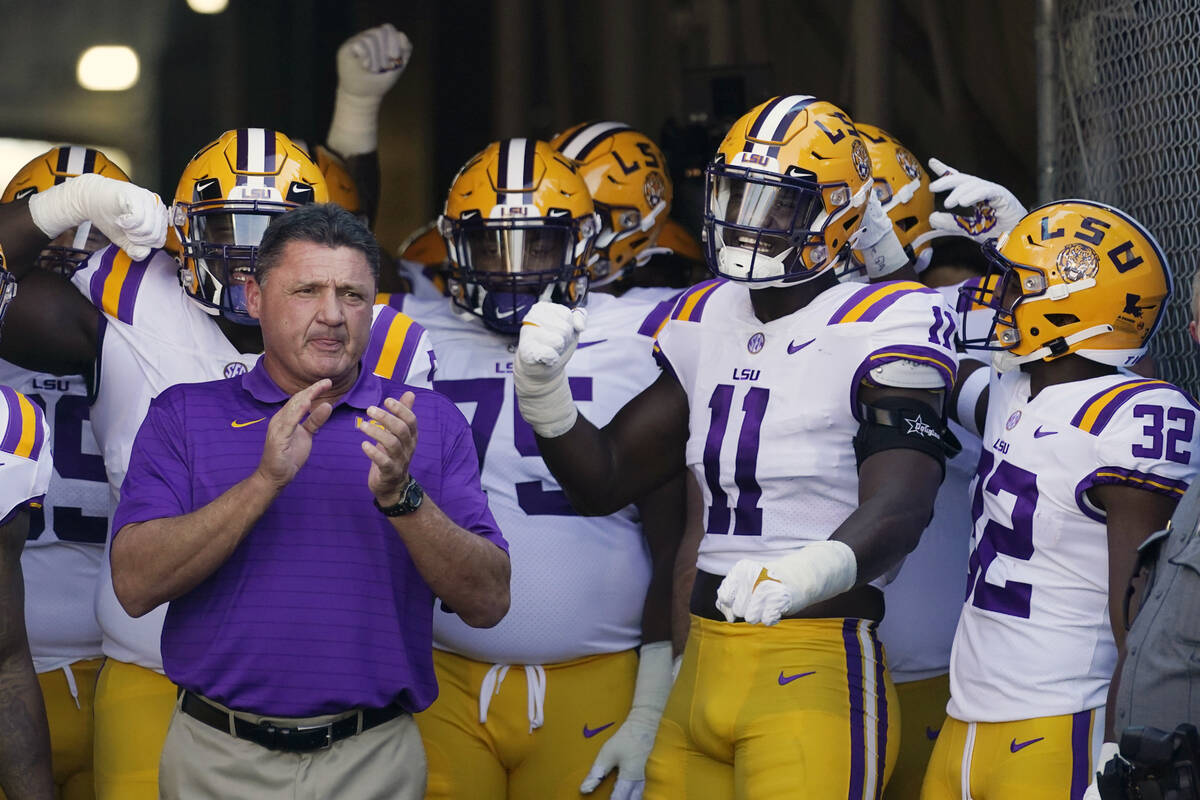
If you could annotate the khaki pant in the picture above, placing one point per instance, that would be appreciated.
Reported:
(198, 761)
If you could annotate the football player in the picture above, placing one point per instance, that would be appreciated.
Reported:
(25, 469)
(128, 322)
(1082, 460)
(555, 695)
(811, 413)
(627, 176)
(61, 560)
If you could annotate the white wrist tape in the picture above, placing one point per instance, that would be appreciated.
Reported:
(884, 257)
(65, 205)
(546, 404)
(818, 572)
(355, 126)
(655, 676)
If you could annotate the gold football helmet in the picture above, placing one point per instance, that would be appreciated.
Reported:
(70, 249)
(519, 226)
(1073, 276)
(626, 173)
(785, 190)
(228, 194)
(338, 182)
(902, 186)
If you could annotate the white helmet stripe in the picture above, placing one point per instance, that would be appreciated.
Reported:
(586, 138)
(75, 159)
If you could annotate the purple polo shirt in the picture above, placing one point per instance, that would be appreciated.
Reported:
(320, 609)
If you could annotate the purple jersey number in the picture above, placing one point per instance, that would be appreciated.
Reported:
(747, 516)
(1174, 444)
(488, 396)
(998, 539)
(70, 523)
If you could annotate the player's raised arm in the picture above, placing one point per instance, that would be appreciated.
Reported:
(601, 470)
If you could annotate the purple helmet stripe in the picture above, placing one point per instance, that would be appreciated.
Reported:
(588, 137)
(527, 171)
(269, 152)
(756, 129)
(243, 145)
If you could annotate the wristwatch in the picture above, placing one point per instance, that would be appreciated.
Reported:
(410, 500)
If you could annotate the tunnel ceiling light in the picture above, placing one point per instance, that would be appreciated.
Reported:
(207, 6)
(107, 68)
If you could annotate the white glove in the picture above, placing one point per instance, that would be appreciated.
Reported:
(996, 209)
(1108, 751)
(132, 218)
(762, 592)
(630, 746)
(877, 241)
(368, 65)
(549, 335)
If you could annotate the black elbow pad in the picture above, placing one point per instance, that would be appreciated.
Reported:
(904, 422)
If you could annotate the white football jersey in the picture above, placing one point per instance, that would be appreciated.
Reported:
(1034, 638)
(774, 406)
(62, 556)
(578, 583)
(155, 336)
(924, 601)
(25, 460)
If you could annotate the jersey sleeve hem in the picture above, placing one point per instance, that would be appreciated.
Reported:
(1123, 476)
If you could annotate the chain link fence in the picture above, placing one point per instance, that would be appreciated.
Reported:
(1126, 126)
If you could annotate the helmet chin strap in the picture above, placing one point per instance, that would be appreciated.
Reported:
(1004, 361)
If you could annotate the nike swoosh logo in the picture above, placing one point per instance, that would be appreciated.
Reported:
(236, 424)
(582, 345)
(1014, 747)
(784, 680)
(796, 348)
(932, 733)
(1039, 433)
(590, 732)
(299, 187)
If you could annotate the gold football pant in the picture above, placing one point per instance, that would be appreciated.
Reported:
(133, 709)
(1046, 758)
(804, 708)
(69, 702)
(922, 712)
(583, 702)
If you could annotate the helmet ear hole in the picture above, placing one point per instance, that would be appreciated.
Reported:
(1062, 320)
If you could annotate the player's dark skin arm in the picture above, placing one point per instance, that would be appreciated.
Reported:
(24, 736)
(364, 169)
(20, 238)
(662, 512)
(896, 490)
(685, 566)
(604, 470)
(1133, 514)
(51, 327)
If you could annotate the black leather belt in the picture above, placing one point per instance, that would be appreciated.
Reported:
(865, 602)
(289, 739)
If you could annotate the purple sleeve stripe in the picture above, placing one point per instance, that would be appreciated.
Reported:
(1099, 410)
(100, 276)
(854, 680)
(1125, 477)
(868, 303)
(379, 332)
(391, 300)
(39, 430)
(130, 285)
(1081, 753)
(900, 352)
(658, 317)
(12, 431)
(408, 351)
(691, 304)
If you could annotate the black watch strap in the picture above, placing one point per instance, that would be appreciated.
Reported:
(410, 500)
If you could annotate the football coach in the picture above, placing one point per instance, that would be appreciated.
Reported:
(300, 529)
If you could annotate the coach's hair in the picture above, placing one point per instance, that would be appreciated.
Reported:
(320, 223)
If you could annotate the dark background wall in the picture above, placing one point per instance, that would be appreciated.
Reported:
(949, 78)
